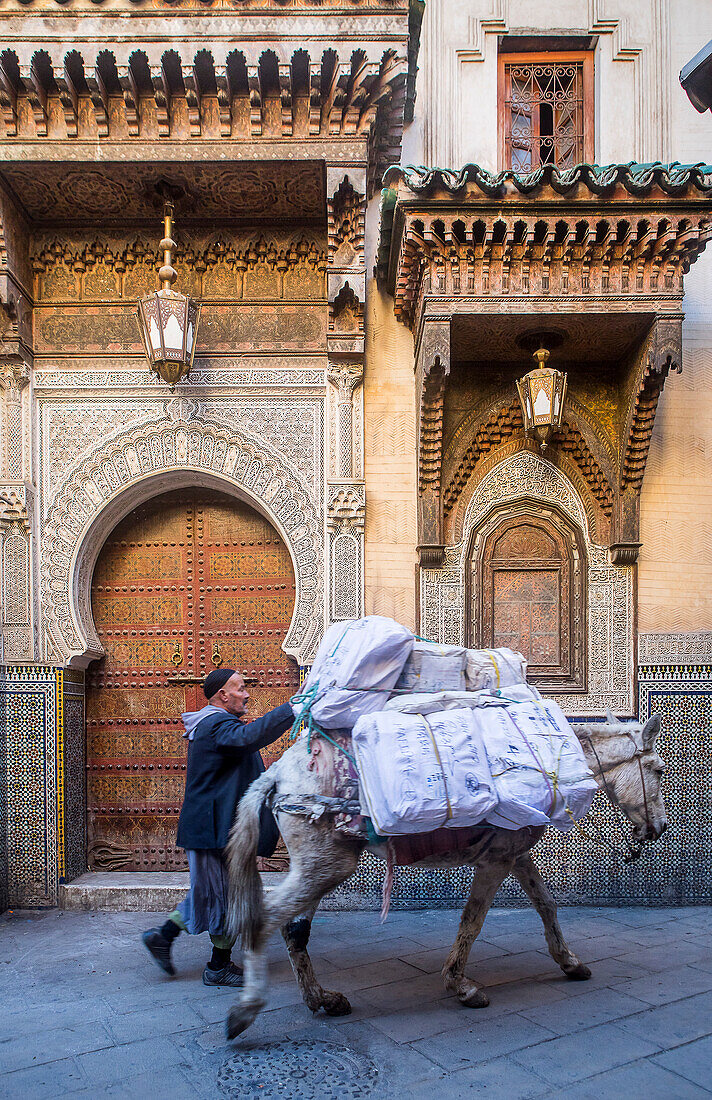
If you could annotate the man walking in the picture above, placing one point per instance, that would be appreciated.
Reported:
(223, 759)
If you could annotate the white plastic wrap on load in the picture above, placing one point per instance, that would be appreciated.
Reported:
(423, 702)
(494, 668)
(355, 669)
(418, 774)
(538, 767)
(433, 667)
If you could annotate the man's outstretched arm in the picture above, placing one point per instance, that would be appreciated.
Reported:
(233, 735)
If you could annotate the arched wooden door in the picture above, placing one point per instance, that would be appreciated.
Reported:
(190, 581)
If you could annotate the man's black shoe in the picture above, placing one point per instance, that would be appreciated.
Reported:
(160, 948)
(229, 975)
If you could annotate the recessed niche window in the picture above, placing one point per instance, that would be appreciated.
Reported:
(545, 109)
(528, 593)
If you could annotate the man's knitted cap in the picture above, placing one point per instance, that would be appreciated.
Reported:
(216, 680)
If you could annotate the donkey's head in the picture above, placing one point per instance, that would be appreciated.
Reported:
(626, 766)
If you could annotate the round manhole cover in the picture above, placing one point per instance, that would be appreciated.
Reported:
(302, 1070)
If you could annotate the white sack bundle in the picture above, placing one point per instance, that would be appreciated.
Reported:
(423, 702)
(538, 767)
(355, 669)
(433, 667)
(419, 774)
(494, 668)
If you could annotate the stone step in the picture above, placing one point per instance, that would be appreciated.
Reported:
(132, 891)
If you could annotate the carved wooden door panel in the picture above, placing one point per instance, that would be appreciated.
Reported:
(189, 582)
(528, 593)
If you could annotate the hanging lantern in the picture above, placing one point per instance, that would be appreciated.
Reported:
(542, 393)
(167, 320)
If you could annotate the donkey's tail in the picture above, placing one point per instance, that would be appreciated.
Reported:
(246, 897)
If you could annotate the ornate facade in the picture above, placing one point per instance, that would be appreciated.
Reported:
(350, 438)
(270, 125)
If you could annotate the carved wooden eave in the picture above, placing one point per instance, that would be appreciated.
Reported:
(194, 75)
(587, 252)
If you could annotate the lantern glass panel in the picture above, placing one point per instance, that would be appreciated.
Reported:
(154, 335)
(173, 334)
(542, 401)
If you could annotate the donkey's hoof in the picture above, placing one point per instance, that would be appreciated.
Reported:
(579, 973)
(238, 1020)
(476, 998)
(335, 1004)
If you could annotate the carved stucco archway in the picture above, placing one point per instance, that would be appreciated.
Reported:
(526, 476)
(141, 463)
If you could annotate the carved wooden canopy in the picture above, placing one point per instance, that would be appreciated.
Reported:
(239, 75)
(593, 256)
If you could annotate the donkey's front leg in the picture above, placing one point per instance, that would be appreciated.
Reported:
(296, 936)
(541, 898)
(487, 881)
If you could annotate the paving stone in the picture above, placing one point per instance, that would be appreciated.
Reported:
(597, 1007)
(434, 960)
(680, 953)
(428, 1018)
(47, 1046)
(43, 1017)
(514, 943)
(574, 1057)
(418, 989)
(164, 1085)
(105, 1068)
(372, 952)
(512, 968)
(704, 958)
(59, 1078)
(692, 1061)
(367, 975)
(132, 1026)
(515, 996)
(500, 1079)
(482, 1042)
(604, 972)
(669, 985)
(670, 1025)
(641, 1080)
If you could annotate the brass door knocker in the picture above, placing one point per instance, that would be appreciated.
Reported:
(177, 656)
(217, 656)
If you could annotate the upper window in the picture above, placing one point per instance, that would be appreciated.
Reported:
(546, 109)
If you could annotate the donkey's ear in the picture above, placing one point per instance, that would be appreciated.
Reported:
(610, 717)
(651, 729)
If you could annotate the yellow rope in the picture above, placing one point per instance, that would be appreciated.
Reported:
(437, 754)
(494, 662)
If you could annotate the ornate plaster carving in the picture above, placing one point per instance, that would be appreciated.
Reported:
(15, 505)
(346, 377)
(211, 373)
(345, 519)
(346, 508)
(100, 490)
(505, 422)
(610, 639)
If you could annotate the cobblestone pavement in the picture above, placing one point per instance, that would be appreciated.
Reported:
(86, 1011)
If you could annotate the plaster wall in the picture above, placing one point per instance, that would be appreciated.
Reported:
(675, 566)
(389, 454)
(457, 88)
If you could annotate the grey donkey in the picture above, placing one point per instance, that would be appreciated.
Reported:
(624, 762)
